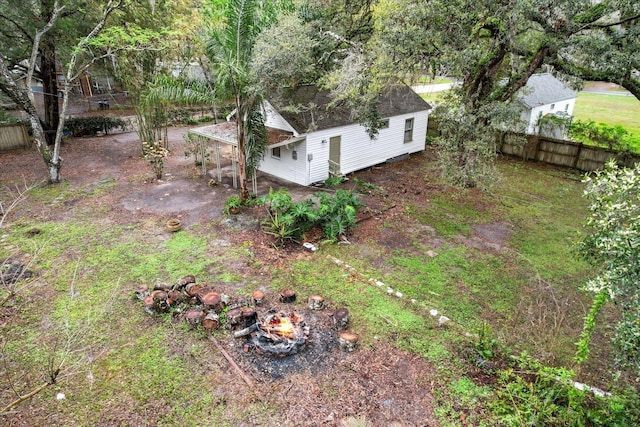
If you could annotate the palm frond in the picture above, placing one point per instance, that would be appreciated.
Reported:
(165, 91)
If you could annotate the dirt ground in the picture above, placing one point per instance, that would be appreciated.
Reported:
(386, 386)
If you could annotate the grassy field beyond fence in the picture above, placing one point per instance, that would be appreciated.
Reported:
(611, 110)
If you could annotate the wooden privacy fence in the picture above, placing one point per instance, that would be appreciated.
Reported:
(552, 151)
(562, 153)
(13, 136)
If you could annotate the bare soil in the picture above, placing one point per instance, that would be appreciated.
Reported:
(383, 385)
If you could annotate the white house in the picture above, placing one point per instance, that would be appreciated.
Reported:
(315, 141)
(545, 95)
(310, 141)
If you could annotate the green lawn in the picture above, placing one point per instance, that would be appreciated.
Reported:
(611, 110)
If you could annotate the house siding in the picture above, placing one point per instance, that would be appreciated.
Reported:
(275, 120)
(532, 116)
(358, 151)
(286, 167)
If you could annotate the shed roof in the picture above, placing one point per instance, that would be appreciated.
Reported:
(543, 89)
(312, 111)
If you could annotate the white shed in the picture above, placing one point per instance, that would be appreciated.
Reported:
(309, 140)
(316, 141)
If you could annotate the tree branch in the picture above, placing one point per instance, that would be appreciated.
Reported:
(17, 25)
(27, 396)
(35, 48)
(594, 25)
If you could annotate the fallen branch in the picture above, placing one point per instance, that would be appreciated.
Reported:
(239, 371)
(245, 331)
(375, 214)
(25, 397)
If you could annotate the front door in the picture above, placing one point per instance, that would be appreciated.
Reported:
(334, 156)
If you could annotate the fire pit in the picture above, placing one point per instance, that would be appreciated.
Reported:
(281, 334)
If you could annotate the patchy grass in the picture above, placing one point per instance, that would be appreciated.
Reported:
(86, 274)
(434, 98)
(525, 292)
(428, 80)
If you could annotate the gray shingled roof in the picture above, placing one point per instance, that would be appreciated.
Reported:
(542, 89)
(395, 101)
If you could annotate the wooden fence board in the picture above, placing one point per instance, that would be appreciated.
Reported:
(566, 153)
(13, 136)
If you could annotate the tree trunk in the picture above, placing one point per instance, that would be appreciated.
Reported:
(288, 296)
(315, 302)
(242, 115)
(341, 319)
(258, 297)
(348, 341)
(50, 89)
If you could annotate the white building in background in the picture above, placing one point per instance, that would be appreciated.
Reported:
(545, 95)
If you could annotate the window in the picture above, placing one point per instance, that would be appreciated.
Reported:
(553, 106)
(275, 152)
(408, 130)
(566, 108)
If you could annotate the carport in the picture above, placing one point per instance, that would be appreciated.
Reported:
(218, 134)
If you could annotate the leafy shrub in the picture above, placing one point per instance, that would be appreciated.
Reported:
(337, 213)
(232, 204)
(196, 147)
(600, 134)
(288, 220)
(155, 153)
(177, 116)
(334, 181)
(529, 393)
(86, 126)
(9, 118)
(363, 186)
(205, 119)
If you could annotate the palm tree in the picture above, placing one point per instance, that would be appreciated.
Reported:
(234, 27)
(230, 47)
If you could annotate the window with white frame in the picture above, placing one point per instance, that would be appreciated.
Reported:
(408, 130)
(275, 152)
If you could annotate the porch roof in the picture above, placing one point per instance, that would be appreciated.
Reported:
(226, 133)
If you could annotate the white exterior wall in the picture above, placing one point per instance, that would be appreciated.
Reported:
(358, 151)
(275, 120)
(362, 152)
(286, 167)
(560, 107)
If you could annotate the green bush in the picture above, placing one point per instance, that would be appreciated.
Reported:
(601, 135)
(337, 213)
(288, 220)
(531, 394)
(86, 126)
(233, 204)
(334, 181)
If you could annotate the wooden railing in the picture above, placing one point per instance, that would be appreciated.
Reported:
(334, 168)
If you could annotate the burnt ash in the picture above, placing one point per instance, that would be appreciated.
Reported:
(319, 352)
